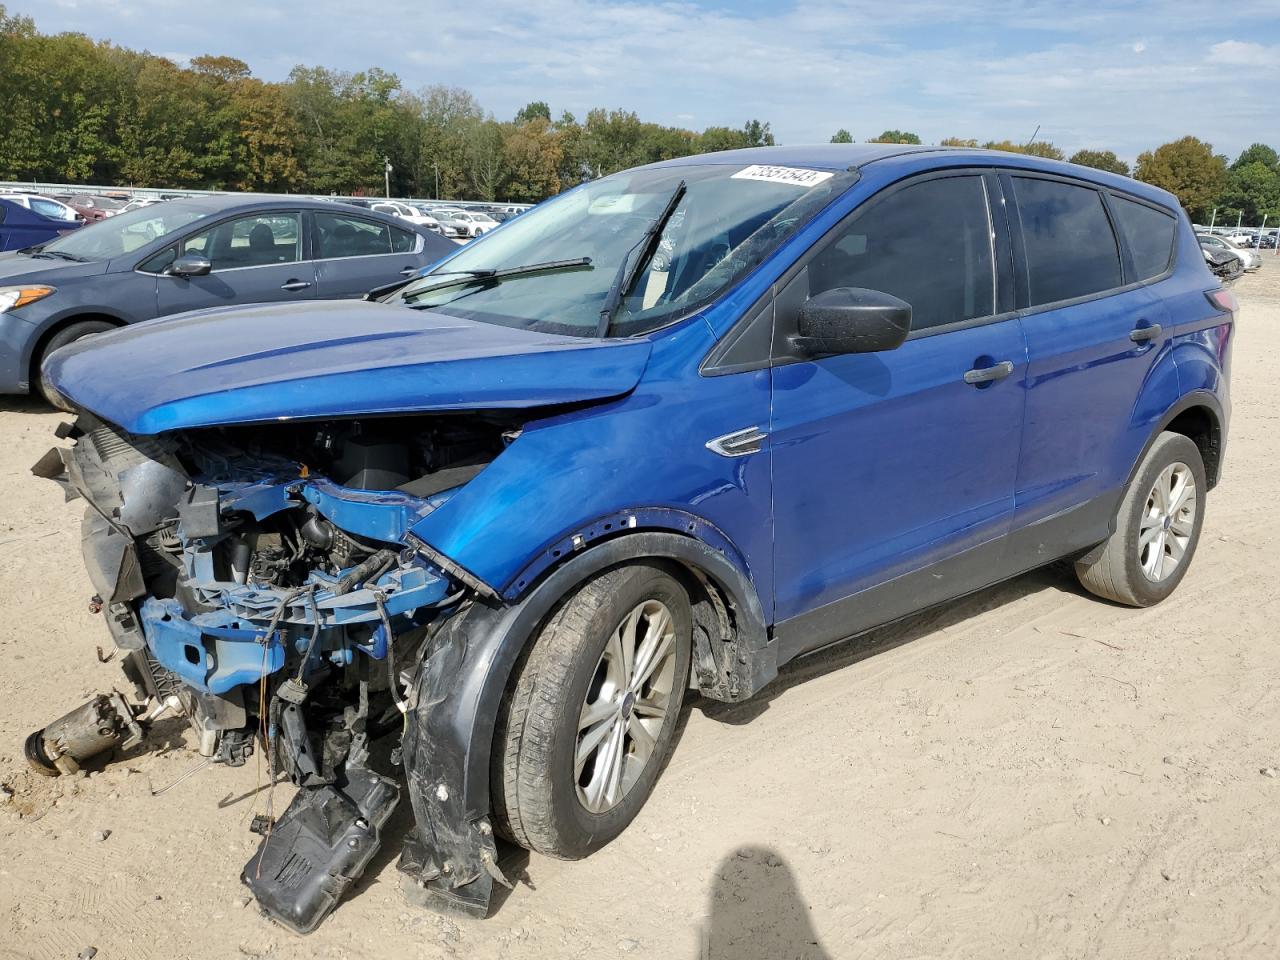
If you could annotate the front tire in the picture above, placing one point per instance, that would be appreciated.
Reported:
(587, 723)
(1157, 527)
(66, 335)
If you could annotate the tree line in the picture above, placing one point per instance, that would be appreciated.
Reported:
(79, 110)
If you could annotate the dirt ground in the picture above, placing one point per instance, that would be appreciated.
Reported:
(1026, 773)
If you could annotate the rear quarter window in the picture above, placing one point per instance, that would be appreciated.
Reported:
(1148, 232)
(1071, 249)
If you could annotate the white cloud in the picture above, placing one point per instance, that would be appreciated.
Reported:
(937, 67)
(1244, 54)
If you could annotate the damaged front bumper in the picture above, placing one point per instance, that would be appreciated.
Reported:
(282, 608)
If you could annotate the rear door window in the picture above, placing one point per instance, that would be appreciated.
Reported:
(342, 236)
(928, 243)
(1149, 233)
(1070, 248)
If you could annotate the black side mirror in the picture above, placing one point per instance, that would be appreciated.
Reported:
(851, 320)
(191, 265)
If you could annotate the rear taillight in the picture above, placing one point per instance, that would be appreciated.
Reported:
(1223, 300)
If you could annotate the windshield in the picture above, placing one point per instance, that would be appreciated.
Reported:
(125, 232)
(728, 219)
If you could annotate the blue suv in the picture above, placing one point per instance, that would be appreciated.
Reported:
(664, 433)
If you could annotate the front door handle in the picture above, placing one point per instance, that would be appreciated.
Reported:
(295, 285)
(409, 271)
(1149, 332)
(997, 371)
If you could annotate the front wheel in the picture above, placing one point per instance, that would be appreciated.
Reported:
(588, 721)
(68, 334)
(1157, 527)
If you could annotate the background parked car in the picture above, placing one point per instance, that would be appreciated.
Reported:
(94, 208)
(193, 253)
(466, 223)
(408, 212)
(45, 206)
(1248, 257)
(139, 202)
(1224, 264)
(22, 227)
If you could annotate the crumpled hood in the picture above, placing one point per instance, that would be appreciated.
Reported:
(329, 359)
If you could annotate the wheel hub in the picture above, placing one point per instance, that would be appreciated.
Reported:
(625, 708)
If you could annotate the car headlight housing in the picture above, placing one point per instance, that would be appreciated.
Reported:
(13, 297)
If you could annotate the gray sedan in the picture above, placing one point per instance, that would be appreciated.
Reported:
(191, 254)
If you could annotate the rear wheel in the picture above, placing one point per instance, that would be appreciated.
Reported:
(66, 335)
(587, 724)
(1157, 527)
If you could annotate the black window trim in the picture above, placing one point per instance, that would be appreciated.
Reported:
(1023, 278)
(720, 361)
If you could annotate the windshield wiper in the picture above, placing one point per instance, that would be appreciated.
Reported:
(647, 244)
(59, 255)
(464, 277)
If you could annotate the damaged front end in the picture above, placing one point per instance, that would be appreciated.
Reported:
(261, 579)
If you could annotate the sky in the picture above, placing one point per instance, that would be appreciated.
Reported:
(1124, 75)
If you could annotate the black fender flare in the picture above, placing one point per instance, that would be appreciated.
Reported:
(460, 683)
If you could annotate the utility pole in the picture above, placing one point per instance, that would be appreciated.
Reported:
(436, 167)
(1239, 220)
(1213, 219)
(386, 173)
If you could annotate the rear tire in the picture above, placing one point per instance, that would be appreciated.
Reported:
(1157, 527)
(582, 736)
(66, 335)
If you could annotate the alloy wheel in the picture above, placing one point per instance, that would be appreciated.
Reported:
(625, 707)
(1168, 522)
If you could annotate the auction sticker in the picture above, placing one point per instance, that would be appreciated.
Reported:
(796, 176)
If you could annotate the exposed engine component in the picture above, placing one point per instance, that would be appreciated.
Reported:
(255, 575)
(94, 727)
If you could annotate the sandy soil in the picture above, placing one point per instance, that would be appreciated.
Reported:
(1026, 773)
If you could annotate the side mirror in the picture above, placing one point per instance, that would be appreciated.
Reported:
(851, 320)
(191, 265)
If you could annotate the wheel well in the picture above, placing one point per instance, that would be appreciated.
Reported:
(37, 355)
(1200, 426)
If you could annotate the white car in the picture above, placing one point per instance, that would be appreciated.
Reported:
(405, 212)
(472, 223)
(1251, 258)
(137, 203)
(45, 206)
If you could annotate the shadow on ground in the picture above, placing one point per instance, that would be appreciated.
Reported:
(756, 911)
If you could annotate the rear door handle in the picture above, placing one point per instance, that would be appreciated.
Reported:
(997, 371)
(409, 271)
(1141, 334)
(295, 285)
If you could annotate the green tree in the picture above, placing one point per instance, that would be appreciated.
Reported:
(1258, 153)
(1101, 160)
(895, 136)
(536, 109)
(533, 156)
(1187, 168)
(842, 136)
(1254, 190)
(1038, 148)
(958, 142)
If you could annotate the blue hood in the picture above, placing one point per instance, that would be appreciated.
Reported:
(329, 359)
